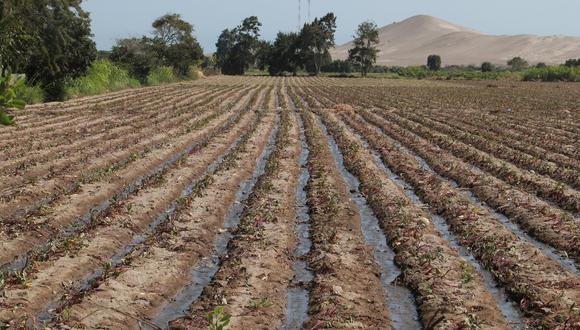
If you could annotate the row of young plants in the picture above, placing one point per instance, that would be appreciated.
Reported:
(443, 282)
(346, 289)
(545, 291)
(548, 224)
(169, 232)
(61, 247)
(533, 114)
(259, 244)
(523, 160)
(550, 190)
(523, 143)
(120, 191)
(110, 131)
(120, 157)
(558, 193)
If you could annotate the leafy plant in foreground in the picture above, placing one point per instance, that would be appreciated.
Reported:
(8, 97)
(218, 319)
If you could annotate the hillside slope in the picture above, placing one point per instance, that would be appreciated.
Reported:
(410, 42)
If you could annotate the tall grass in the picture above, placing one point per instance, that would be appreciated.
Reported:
(103, 76)
(30, 94)
(552, 73)
(161, 75)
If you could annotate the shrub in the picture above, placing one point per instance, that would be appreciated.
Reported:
(434, 62)
(103, 76)
(30, 94)
(552, 73)
(161, 75)
(517, 63)
(487, 67)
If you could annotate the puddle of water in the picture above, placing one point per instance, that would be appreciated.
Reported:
(298, 295)
(400, 300)
(203, 272)
(508, 308)
(547, 250)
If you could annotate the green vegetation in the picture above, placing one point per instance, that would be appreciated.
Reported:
(434, 62)
(31, 94)
(49, 41)
(218, 319)
(161, 75)
(236, 48)
(552, 73)
(8, 97)
(103, 76)
(487, 67)
(517, 64)
(364, 53)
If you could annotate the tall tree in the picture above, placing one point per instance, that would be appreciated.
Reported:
(285, 54)
(136, 55)
(237, 48)
(316, 40)
(364, 53)
(175, 44)
(63, 47)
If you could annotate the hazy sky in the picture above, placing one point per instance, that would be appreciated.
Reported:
(114, 19)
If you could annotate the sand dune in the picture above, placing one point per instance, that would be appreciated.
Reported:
(410, 42)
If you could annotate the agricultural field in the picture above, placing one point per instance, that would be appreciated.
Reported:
(294, 203)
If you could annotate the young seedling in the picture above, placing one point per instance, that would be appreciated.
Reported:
(218, 319)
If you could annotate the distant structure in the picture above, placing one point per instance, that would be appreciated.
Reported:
(300, 12)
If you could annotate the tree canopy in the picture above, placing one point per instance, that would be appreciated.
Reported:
(50, 44)
(434, 62)
(364, 53)
(316, 39)
(237, 48)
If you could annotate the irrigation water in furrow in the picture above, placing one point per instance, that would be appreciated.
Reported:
(401, 302)
(298, 295)
(202, 273)
(549, 251)
(118, 259)
(508, 308)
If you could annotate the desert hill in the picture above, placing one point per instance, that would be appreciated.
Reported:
(410, 42)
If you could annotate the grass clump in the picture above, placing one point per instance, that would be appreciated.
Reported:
(161, 75)
(102, 77)
(552, 73)
(30, 94)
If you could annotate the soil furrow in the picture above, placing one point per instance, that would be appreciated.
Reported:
(129, 221)
(547, 292)
(346, 289)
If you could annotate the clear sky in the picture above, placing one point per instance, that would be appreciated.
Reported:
(114, 19)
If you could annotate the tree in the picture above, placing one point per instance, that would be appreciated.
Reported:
(14, 36)
(316, 39)
(62, 47)
(517, 63)
(364, 53)
(434, 62)
(237, 48)
(175, 44)
(136, 55)
(572, 62)
(487, 67)
(541, 65)
(284, 54)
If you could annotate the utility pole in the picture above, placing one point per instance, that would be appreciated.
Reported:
(299, 13)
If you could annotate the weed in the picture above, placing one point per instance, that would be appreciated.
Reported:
(260, 303)
(218, 319)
